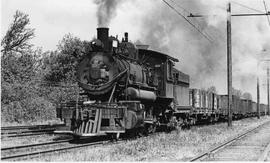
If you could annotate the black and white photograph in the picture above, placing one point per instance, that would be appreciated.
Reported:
(135, 80)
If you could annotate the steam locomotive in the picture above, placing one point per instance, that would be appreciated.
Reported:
(127, 88)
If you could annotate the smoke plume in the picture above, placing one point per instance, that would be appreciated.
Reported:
(204, 61)
(106, 11)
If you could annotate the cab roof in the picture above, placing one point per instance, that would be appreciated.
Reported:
(157, 54)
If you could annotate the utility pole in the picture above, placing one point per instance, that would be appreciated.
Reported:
(258, 88)
(229, 63)
(268, 98)
(229, 54)
(258, 98)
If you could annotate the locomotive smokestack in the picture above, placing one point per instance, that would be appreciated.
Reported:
(126, 37)
(103, 36)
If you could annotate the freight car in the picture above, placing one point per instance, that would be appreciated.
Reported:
(131, 89)
(242, 108)
(204, 104)
(263, 109)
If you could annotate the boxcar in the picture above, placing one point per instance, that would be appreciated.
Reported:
(214, 102)
(236, 110)
(254, 107)
(266, 109)
(195, 98)
(249, 102)
(204, 100)
(223, 102)
(247, 107)
(242, 108)
(210, 101)
(236, 106)
(262, 109)
(180, 88)
(214, 106)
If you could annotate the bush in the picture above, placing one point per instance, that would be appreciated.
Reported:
(58, 94)
(31, 102)
(28, 110)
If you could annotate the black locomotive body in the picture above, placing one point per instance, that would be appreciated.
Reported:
(124, 88)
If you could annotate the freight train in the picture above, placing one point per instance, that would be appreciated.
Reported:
(130, 89)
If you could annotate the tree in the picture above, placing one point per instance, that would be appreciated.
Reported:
(18, 59)
(18, 35)
(73, 46)
(212, 89)
(236, 92)
(57, 67)
(60, 65)
(247, 96)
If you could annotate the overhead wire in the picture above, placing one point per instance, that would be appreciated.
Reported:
(245, 6)
(194, 26)
(185, 10)
(265, 7)
(194, 20)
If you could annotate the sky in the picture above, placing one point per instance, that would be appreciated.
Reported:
(152, 22)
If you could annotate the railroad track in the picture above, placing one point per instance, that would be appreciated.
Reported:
(237, 147)
(30, 127)
(26, 134)
(20, 131)
(34, 150)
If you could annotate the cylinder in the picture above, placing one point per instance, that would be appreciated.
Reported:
(103, 36)
(138, 94)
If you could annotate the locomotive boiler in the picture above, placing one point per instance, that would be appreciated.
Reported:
(124, 88)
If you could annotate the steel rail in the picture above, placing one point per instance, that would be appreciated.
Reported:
(27, 131)
(29, 127)
(53, 150)
(196, 158)
(34, 145)
(263, 156)
(25, 134)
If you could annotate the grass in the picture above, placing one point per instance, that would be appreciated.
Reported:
(179, 145)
